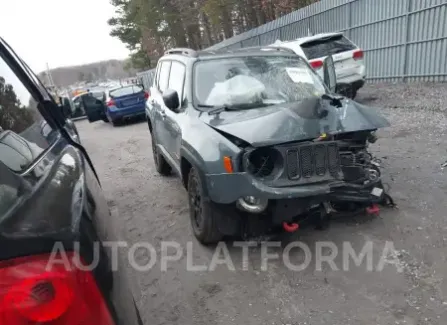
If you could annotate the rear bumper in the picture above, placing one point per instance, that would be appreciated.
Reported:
(120, 113)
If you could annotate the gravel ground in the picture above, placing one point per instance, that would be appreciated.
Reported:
(413, 290)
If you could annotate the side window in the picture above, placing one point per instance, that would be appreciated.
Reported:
(164, 75)
(24, 134)
(157, 75)
(177, 78)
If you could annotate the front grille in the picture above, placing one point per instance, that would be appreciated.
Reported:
(320, 159)
(306, 161)
(313, 160)
(292, 164)
(333, 159)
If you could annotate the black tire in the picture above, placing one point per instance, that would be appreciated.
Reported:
(115, 122)
(202, 212)
(105, 119)
(161, 165)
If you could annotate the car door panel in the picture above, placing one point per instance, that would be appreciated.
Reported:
(55, 197)
(94, 108)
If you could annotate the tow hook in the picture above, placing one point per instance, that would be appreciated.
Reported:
(373, 210)
(290, 227)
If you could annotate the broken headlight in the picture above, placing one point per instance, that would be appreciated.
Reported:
(264, 163)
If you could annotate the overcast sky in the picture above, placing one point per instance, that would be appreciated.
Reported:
(60, 32)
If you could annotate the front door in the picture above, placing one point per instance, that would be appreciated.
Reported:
(160, 130)
(172, 117)
(94, 108)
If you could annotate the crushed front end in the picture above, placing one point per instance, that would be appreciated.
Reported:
(302, 182)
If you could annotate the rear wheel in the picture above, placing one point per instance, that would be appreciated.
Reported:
(202, 212)
(161, 165)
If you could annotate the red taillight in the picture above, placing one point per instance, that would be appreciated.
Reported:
(31, 293)
(357, 55)
(317, 64)
(147, 94)
(111, 103)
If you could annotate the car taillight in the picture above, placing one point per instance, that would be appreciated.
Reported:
(317, 64)
(147, 94)
(357, 55)
(111, 103)
(32, 293)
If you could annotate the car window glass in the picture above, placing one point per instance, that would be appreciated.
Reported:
(24, 133)
(124, 91)
(326, 46)
(177, 77)
(164, 75)
(157, 76)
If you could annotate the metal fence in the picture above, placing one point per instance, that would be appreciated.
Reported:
(146, 78)
(403, 40)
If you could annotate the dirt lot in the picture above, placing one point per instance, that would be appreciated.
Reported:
(154, 209)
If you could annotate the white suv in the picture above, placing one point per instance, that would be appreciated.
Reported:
(348, 58)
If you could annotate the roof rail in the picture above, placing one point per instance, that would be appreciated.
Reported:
(182, 51)
(264, 48)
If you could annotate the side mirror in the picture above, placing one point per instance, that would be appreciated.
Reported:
(330, 78)
(171, 99)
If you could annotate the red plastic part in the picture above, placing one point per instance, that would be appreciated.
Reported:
(357, 55)
(35, 292)
(290, 227)
(317, 64)
(373, 209)
(147, 94)
(111, 103)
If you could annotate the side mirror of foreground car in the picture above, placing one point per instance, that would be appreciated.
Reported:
(330, 78)
(171, 99)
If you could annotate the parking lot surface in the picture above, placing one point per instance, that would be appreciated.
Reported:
(411, 289)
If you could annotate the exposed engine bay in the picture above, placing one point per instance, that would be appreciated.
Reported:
(342, 161)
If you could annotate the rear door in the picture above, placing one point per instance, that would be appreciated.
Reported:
(341, 49)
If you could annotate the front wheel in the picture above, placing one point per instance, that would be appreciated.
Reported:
(202, 212)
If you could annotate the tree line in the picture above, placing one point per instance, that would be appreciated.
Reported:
(149, 27)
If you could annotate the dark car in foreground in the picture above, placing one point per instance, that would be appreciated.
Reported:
(260, 141)
(55, 268)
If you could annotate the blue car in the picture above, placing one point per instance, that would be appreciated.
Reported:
(121, 103)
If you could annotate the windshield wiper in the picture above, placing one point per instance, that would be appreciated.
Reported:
(213, 109)
(334, 100)
(222, 108)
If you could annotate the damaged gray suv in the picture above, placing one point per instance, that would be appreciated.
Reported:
(260, 141)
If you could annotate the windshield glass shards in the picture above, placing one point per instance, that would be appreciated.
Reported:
(254, 81)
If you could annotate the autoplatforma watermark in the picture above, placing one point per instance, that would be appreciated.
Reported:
(373, 257)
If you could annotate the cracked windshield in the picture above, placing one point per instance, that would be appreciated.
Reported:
(237, 162)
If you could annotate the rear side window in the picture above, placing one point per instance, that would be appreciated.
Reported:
(164, 75)
(326, 46)
(124, 91)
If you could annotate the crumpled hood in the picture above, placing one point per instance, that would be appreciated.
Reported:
(305, 120)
